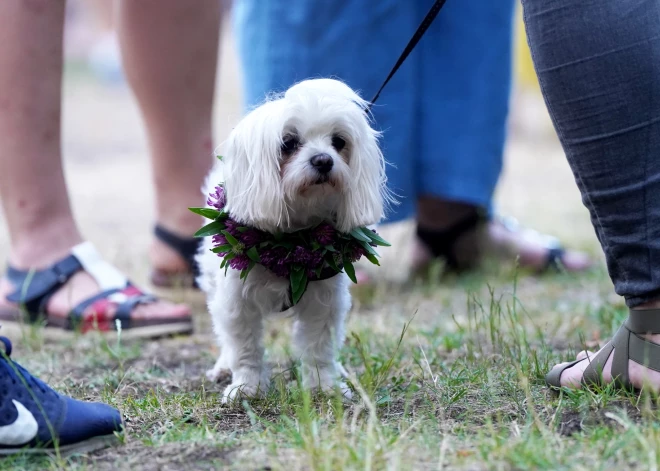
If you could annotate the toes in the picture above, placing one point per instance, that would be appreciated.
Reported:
(584, 354)
(576, 261)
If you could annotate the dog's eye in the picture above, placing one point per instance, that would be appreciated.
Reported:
(338, 143)
(290, 143)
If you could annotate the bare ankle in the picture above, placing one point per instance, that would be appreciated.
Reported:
(45, 245)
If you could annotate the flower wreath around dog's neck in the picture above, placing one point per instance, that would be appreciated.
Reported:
(315, 253)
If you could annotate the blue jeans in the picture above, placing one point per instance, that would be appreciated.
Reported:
(444, 112)
(598, 63)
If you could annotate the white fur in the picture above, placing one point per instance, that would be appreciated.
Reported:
(273, 191)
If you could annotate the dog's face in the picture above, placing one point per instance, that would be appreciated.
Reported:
(307, 156)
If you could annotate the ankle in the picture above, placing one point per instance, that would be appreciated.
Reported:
(655, 304)
(183, 224)
(42, 246)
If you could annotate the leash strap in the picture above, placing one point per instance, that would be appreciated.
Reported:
(428, 19)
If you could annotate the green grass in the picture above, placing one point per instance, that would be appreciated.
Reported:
(445, 375)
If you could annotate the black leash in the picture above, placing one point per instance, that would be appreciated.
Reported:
(428, 19)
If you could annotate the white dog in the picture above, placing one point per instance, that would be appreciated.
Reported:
(307, 156)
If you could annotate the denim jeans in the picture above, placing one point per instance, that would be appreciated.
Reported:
(598, 62)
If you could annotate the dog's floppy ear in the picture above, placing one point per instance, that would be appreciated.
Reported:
(252, 168)
(365, 198)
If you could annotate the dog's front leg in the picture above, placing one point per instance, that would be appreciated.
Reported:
(238, 325)
(318, 333)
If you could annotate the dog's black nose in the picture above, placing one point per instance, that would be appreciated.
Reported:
(322, 163)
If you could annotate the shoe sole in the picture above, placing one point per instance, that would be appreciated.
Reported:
(9, 329)
(86, 446)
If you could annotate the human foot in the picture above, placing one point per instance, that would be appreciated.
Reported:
(503, 238)
(173, 259)
(70, 297)
(506, 238)
(632, 358)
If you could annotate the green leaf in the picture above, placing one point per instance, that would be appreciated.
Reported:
(210, 229)
(243, 274)
(317, 271)
(208, 213)
(223, 264)
(221, 248)
(372, 259)
(375, 238)
(297, 294)
(315, 245)
(253, 254)
(297, 275)
(331, 263)
(286, 245)
(219, 157)
(230, 238)
(350, 270)
(369, 249)
(243, 229)
(330, 248)
(359, 235)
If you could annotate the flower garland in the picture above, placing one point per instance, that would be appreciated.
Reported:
(302, 256)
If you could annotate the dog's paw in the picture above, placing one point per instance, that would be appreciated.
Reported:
(327, 380)
(218, 375)
(346, 392)
(248, 383)
(237, 390)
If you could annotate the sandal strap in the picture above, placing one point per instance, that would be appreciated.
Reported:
(441, 243)
(644, 352)
(35, 287)
(593, 373)
(553, 378)
(126, 299)
(628, 345)
(554, 259)
(645, 321)
(186, 247)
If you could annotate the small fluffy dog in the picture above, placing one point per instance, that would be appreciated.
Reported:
(307, 156)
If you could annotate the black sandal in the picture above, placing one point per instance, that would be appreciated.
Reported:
(33, 290)
(187, 248)
(442, 244)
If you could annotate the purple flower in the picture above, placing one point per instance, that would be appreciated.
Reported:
(250, 238)
(239, 262)
(217, 199)
(355, 253)
(315, 260)
(308, 258)
(218, 240)
(277, 261)
(301, 255)
(324, 234)
(232, 227)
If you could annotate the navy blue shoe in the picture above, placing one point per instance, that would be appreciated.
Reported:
(34, 418)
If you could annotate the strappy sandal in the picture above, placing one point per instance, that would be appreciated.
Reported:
(442, 244)
(35, 288)
(627, 344)
(555, 252)
(187, 248)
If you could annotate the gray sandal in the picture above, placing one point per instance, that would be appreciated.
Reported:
(627, 344)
